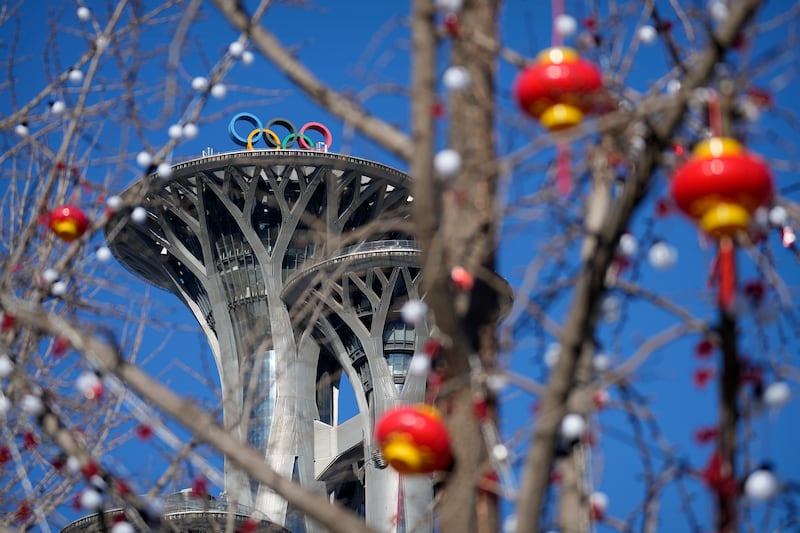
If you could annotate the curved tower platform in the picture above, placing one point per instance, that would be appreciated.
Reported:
(231, 235)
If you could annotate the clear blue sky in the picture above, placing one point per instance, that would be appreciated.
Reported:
(351, 45)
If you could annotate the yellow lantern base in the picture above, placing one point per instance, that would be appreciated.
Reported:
(561, 116)
(65, 229)
(403, 456)
(724, 219)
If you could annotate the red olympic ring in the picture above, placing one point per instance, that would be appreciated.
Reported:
(271, 138)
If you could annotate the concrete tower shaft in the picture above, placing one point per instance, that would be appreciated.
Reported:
(223, 234)
(351, 304)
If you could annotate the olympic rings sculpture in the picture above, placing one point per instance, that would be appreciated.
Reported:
(258, 131)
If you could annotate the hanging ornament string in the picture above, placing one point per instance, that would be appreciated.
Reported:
(563, 171)
(727, 273)
(714, 114)
(558, 10)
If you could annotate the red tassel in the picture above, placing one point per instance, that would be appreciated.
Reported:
(727, 273)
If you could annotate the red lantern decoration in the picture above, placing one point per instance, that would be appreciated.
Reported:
(68, 222)
(413, 439)
(721, 186)
(557, 89)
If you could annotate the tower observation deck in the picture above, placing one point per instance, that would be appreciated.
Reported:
(295, 265)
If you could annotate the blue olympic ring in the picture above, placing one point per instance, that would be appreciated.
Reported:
(259, 131)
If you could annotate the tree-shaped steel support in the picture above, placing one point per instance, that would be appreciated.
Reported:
(223, 234)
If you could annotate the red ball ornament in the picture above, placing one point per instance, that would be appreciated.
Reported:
(557, 89)
(413, 439)
(721, 186)
(68, 222)
(462, 279)
(5, 455)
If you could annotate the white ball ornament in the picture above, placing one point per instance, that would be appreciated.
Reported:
(420, 365)
(673, 86)
(247, 58)
(103, 254)
(456, 78)
(75, 76)
(718, 10)
(200, 84)
(628, 245)
(662, 255)
(552, 354)
(601, 362)
(761, 485)
(139, 214)
(647, 34)
(32, 405)
(175, 131)
(6, 366)
(49, 275)
(638, 144)
(114, 202)
(122, 527)
(236, 49)
(59, 288)
(83, 13)
(778, 216)
(57, 107)
(610, 309)
(73, 464)
(414, 311)
(155, 507)
(777, 394)
(566, 25)
(144, 159)
(599, 503)
(91, 500)
(761, 217)
(219, 91)
(101, 43)
(22, 130)
(447, 163)
(164, 170)
(98, 482)
(573, 426)
(89, 385)
(496, 382)
(450, 6)
(702, 95)
(190, 131)
(499, 452)
(749, 109)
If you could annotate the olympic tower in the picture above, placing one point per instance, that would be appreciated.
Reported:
(293, 262)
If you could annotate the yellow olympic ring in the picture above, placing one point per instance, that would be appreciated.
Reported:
(257, 131)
